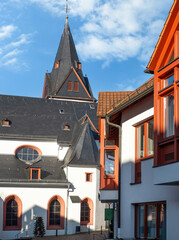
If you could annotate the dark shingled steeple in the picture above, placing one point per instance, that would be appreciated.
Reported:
(67, 68)
(83, 150)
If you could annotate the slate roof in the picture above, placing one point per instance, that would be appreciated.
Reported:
(107, 100)
(68, 59)
(14, 170)
(41, 118)
(83, 151)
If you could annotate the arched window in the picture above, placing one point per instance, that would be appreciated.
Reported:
(55, 213)
(86, 212)
(12, 216)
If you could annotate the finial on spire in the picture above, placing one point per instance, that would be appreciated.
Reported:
(67, 10)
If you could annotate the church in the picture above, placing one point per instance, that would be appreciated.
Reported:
(50, 153)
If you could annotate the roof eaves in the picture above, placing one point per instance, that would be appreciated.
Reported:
(160, 37)
(132, 100)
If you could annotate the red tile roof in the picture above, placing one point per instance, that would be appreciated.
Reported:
(141, 91)
(107, 100)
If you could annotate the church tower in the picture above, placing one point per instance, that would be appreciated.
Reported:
(66, 81)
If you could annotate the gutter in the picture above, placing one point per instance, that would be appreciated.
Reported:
(34, 184)
(119, 191)
(131, 101)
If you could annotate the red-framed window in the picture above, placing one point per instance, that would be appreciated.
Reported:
(150, 220)
(144, 145)
(56, 65)
(76, 86)
(70, 86)
(55, 213)
(167, 115)
(35, 173)
(28, 153)
(12, 213)
(88, 177)
(110, 154)
(5, 123)
(86, 212)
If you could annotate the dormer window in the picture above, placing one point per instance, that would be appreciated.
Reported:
(61, 111)
(5, 123)
(35, 173)
(66, 127)
(76, 86)
(70, 86)
(56, 65)
(79, 65)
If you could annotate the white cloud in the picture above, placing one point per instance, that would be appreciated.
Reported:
(110, 29)
(12, 53)
(22, 39)
(123, 87)
(6, 31)
(10, 62)
(12, 49)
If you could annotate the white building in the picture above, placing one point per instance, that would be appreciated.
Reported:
(48, 153)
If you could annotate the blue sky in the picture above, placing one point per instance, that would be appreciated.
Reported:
(114, 40)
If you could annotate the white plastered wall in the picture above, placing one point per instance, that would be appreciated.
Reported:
(34, 203)
(146, 191)
(83, 189)
(48, 148)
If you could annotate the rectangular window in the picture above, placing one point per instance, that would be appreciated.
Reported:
(144, 145)
(76, 86)
(140, 221)
(35, 173)
(168, 115)
(6, 123)
(70, 86)
(109, 161)
(88, 177)
(140, 142)
(168, 81)
(150, 221)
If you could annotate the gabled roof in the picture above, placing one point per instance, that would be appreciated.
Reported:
(67, 59)
(43, 118)
(164, 36)
(14, 170)
(134, 96)
(107, 100)
(84, 151)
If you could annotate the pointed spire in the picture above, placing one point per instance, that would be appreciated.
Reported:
(67, 59)
(67, 10)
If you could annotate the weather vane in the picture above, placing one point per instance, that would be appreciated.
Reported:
(67, 9)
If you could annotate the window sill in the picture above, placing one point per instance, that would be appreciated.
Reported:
(166, 140)
(135, 183)
(166, 89)
(54, 227)
(145, 158)
(86, 223)
(109, 176)
(164, 164)
(12, 228)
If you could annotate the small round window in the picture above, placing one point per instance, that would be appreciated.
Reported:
(27, 154)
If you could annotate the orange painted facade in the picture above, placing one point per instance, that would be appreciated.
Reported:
(165, 65)
(108, 181)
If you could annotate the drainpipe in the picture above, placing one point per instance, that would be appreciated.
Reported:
(119, 190)
(66, 229)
